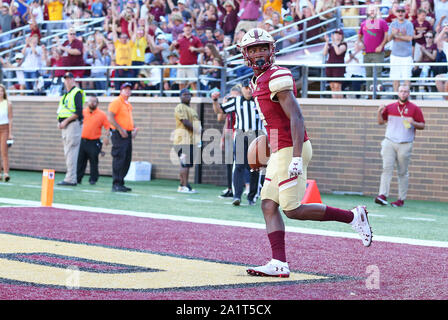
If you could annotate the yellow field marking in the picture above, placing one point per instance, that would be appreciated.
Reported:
(172, 272)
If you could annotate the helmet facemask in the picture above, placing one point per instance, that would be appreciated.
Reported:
(258, 37)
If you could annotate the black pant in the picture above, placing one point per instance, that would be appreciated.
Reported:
(88, 151)
(241, 144)
(121, 157)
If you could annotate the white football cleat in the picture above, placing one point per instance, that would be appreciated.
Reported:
(274, 268)
(361, 225)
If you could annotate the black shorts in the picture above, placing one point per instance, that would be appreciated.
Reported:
(188, 150)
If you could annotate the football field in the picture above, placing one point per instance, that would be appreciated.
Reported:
(155, 243)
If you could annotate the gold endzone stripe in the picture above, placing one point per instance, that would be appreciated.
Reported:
(327, 277)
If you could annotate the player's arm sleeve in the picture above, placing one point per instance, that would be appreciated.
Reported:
(281, 80)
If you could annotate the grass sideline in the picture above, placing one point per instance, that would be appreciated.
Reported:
(421, 220)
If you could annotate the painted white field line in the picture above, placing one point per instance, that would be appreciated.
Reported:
(419, 219)
(353, 235)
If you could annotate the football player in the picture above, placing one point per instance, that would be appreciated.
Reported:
(274, 89)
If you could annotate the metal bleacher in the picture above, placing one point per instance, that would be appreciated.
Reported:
(304, 58)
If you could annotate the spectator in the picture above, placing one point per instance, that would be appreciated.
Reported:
(5, 21)
(70, 123)
(421, 27)
(208, 37)
(171, 73)
(186, 13)
(35, 11)
(55, 60)
(250, 13)
(5, 130)
(440, 9)
(157, 9)
(430, 16)
(373, 34)
(124, 131)
(159, 48)
(123, 56)
(401, 32)
(307, 12)
(98, 9)
(34, 57)
(403, 118)
(349, 19)
(393, 15)
(189, 47)
(336, 54)
(276, 5)
(208, 16)
(353, 70)
(94, 120)
(428, 54)
(324, 5)
(139, 36)
(72, 53)
(126, 18)
(55, 13)
(142, 84)
(19, 74)
(175, 27)
(290, 32)
(229, 16)
(100, 58)
(441, 72)
(219, 36)
(35, 30)
(186, 137)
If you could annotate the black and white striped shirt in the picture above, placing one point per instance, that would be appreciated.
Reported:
(246, 113)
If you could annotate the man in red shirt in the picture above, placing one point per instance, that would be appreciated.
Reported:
(274, 91)
(91, 144)
(72, 53)
(189, 47)
(403, 118)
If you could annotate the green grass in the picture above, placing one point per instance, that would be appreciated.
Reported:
(418, 219)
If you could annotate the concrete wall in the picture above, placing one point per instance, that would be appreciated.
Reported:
(344, 133)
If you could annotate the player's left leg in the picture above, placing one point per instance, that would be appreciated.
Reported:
(275, 227)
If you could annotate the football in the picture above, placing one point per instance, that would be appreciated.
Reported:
(258, 152)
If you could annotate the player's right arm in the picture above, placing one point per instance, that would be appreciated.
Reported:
(292, 109)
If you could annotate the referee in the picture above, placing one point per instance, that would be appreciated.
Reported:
(248, 126)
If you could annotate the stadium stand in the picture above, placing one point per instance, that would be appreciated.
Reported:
(299, 27)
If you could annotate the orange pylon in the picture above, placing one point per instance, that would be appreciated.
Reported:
(312, 194)
(46, 198)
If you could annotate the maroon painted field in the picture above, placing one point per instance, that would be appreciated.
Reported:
(403, 271)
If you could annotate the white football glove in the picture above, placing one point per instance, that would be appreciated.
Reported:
(295, 167)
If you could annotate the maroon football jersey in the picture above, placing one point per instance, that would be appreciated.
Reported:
(264, 90)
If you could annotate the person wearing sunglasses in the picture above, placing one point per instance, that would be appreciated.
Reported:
(401, 31)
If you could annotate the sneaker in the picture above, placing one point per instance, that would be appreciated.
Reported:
(252, 202)
(119, 188)
(184, 189)
(236, 202)
(191, 189)
(274, 268)
(398, 203)
(227, 193)
(361, 225)
(65, 183)
(381, 199)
